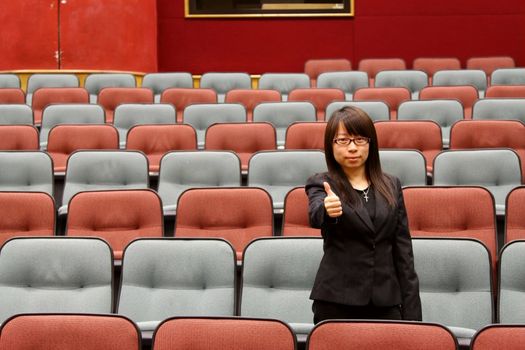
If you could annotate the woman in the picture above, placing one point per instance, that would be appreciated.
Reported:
(367, 271)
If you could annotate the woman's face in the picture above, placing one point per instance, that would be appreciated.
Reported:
(353, 156)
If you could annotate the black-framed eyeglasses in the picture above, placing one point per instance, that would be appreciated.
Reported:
(345, 141)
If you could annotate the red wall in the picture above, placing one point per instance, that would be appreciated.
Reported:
(380, 28)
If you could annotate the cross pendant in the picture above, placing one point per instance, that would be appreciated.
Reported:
(366, 197)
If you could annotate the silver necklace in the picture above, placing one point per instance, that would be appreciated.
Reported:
(365, 193)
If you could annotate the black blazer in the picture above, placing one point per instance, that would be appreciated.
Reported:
(363, 260)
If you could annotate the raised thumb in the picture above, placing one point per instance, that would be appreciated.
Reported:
(327, 189)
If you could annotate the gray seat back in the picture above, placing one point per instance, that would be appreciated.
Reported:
(26, 171)
(376, 110)
(55, 274)
(277, 278)
(499, 108)
(443, 112)
(181, 170)
(158, 82)
(408, 165)
(454, 281)
(200, 116)
(474, 77)
(96, 82)
(511, 293)
(284, 82)
(9, 81)
(280, 171)
(128, 115)
(282, 114)
(508, 76)
(413, 80)
(69, 114)
(224, 82)
(13, 114)
(346, 81)
(162, 278)
(104, 170)
(44, 80)
(498, 170)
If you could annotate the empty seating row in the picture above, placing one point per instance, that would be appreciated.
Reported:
(74, 275)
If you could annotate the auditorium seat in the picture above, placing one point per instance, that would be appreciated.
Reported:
(490, 64)
(242, 138)
(467, 95)
(128, 115)
(451, 212)
(55, 274)
(372, 335)
(508, 76)
(221, 333)
(12, 96)
(499, 336)
(423, 135)
(314, 67)
(182, 170)
(277, 278)
(443, 112)
(64, 139)
(296, 221)
(95, 82)
(44, 97)
(476, 78)
(498, 170)
(236, 214)
(26, 171)
(158, 139)
(16, 114)
(280, 171)
(111, 97)
(103, 170)
(181, 98)
(281, 115)
(392, 96)
(431, 65)
(284, 82)
(18, 138)
(201, 116)
(26, 214)
(376, 110)
(158, 82)
(506, 91)
(407, 165)
(499, 108)
(192, 277)
(251, 98)
(346, 81)
(413, 80)
(455, 283)
(474, 134)
(118, 216)
(9, 81)
(223, 82)
(511, 288)
(514, 219)
(320, 98)
(305, 135)
(68, 114)
(69, 331)
(48, 80)
(372, 66)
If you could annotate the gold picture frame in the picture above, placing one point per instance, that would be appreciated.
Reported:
(269, 8)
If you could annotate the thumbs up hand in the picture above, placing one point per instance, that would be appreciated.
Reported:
(332, 203)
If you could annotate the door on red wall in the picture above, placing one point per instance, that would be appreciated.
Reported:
(78, 34)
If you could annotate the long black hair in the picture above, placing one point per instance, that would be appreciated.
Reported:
(357, 123)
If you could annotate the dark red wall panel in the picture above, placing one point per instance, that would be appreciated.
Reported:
(113, 35)
(29, 36)
(380, 28)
